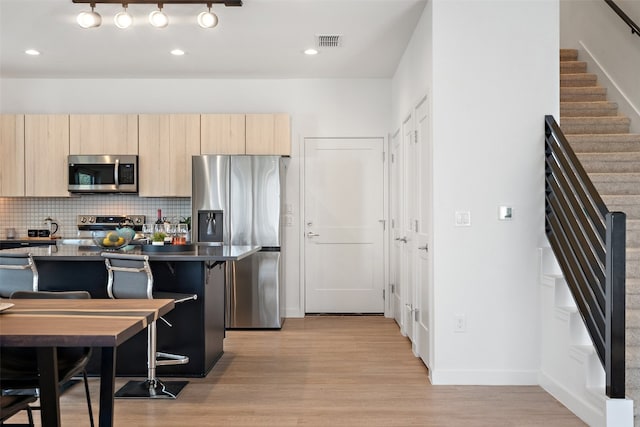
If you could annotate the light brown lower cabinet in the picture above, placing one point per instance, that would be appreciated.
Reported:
(166, 144)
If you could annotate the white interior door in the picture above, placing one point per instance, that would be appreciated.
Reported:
(424, 288)
(408, 237)
(395, 210)
(344, 225)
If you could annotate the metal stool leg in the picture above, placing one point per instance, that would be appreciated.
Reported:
(152, 387)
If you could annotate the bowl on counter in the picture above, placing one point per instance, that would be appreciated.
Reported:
(113, 239)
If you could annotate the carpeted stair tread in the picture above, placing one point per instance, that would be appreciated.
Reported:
(633, 236)
(613, 142)
(612, 162)
(632, 286)
(616, 183)
(607, 124)
(588, 109)
(633, 262)
(578, 80)
(627, 204)
(577, 94)
(572, 67)
(631, 360)
(632, 319)
(568, 54)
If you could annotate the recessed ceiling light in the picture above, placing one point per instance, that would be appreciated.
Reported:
(32, 52)
(311, 51)
(177, 52)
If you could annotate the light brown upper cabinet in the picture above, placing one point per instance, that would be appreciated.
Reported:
(167, 142)
(222, 134)
(11, 155)
(46, 147)
(103, 134)
(268, 134)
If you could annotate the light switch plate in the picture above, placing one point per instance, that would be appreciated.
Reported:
(463, 219)
(505, 213)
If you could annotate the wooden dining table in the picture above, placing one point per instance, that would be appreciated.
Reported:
(101, 323)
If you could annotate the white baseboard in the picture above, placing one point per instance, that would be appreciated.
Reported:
(587, 412)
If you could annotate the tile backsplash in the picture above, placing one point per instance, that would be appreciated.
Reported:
(23, 213)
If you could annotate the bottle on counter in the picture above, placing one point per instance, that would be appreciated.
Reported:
(159, 220)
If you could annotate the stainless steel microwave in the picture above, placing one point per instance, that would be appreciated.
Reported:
(103, 174)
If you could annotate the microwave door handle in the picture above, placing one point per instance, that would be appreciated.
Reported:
(115, 173)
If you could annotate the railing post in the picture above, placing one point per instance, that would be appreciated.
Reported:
(615, 305)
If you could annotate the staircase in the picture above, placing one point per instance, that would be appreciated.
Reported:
(611, 157)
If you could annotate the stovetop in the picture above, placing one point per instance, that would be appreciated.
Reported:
(108, 222)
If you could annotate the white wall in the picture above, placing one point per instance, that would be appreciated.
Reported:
(493, 73)
(327, 107)
(609, 48)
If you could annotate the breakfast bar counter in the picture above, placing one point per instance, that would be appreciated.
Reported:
(198, 326)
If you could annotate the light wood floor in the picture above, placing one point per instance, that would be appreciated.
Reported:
(327, 371)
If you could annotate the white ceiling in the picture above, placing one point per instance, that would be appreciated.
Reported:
(261, 39)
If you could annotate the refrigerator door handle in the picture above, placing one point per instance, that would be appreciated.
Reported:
(230, 281)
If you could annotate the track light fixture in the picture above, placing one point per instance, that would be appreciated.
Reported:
(123, 19)
(89, 19)
(207, 19)
(157, 18)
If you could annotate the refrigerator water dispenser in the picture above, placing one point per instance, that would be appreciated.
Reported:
(210, 226)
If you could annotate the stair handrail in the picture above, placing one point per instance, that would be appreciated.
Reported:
(635, 29)
(589, 243)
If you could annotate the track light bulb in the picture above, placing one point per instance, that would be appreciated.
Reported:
(123, 19)
(158, 19)
(89, 19)
(207, 19)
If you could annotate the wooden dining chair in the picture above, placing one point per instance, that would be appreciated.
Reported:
(18, 272)
(19, 367)
(130, 276)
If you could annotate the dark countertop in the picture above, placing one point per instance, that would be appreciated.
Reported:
(87, 253)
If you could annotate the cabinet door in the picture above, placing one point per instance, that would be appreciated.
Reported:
(103, 134)
(268, 134)
(46, 147)
(11, 155)
(222, 134)
(167, 142)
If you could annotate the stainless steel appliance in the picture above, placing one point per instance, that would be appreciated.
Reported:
(237, 200)
(108, 222)
(103, 174)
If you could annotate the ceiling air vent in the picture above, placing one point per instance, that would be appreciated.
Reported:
(329, 40)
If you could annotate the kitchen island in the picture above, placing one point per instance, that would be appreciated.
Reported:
(198, 326)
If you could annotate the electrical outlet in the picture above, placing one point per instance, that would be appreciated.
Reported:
(459, 323)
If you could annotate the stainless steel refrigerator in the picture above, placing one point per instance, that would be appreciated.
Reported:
(236, 200)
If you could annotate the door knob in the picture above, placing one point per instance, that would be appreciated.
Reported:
(424, 248)
(312, 234)
(402, 239)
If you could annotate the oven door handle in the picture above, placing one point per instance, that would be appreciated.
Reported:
(116, 173)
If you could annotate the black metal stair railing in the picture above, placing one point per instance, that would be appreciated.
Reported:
(635, 29)
(589, 244)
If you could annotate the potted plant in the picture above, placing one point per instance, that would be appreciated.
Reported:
(158, 238)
